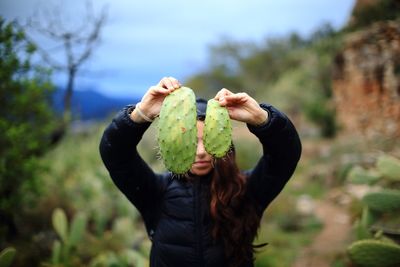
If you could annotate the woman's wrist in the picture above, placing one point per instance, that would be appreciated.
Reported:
(261, 118)
(139, 116)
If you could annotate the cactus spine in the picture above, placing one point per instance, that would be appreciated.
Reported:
(177, 130)
(217, 135)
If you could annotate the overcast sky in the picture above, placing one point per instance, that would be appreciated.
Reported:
(146, 40)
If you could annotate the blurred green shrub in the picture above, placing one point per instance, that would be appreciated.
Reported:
(26, 121)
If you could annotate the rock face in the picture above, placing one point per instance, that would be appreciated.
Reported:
(366, 81)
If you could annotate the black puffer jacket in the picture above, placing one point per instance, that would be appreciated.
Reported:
(176, 212)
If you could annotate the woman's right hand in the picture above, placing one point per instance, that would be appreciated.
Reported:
(151, 102)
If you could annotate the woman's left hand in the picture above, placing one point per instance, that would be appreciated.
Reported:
(242, 107)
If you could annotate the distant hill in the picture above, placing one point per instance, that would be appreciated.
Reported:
(91, 105)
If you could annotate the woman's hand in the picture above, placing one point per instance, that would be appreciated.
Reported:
(152, 100)
(242, 107)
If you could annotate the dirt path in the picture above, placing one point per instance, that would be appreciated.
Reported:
(332, 238)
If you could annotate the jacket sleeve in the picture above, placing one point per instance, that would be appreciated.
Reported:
(118, 150)
(281, 153)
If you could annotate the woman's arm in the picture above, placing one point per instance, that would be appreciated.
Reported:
(280, 141)
(281, 153)
(119, 153)
(127, 169)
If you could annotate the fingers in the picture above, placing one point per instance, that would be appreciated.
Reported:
(159, 90)
(169, 83)
(221, 96)
(236, 98)
(227, 98)
(222, 93)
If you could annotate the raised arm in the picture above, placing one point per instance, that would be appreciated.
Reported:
(281, 153)
(119, 153)
(280, 141)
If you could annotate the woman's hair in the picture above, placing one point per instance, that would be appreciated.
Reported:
(235, 218)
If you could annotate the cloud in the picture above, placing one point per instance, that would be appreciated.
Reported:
(146, 40)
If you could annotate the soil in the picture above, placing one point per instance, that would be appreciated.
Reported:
(331, 240)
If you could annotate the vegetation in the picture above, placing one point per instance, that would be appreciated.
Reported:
(367, 14)
(293, 73)
(59, 207)
(377, 228)
(26, 121)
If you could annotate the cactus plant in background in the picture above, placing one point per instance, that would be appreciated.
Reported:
(359, 175)
(389, 167)
(380, 210)
(383, 201)
(363, 224)
(177, 130)
(7, 256)
(217, 135)
(70, 236)
(375, 253)
(125, 258)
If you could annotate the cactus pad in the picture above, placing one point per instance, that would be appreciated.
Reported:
(60, 223)
(389, 167)
(7, 256)
(359, 175)
(374, 253)
(177, 130)
(384, 201)
(217, 136)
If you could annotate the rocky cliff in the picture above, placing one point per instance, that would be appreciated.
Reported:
(366, 81)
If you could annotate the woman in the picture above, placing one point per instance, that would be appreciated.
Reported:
(209, 217)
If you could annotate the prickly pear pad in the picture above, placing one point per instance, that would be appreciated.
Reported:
(177, 130)
(374, 253)
(217, 135)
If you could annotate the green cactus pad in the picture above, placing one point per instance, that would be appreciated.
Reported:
(7, 256)
(359, 175)
(217, 135)
(384, 201)
(389, 167)
(60, 223)
(77, 230)
(177, 130)
(374, 253)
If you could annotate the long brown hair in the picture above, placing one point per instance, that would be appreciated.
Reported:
(235, 218)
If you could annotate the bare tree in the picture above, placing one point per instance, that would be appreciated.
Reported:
(76, 41)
